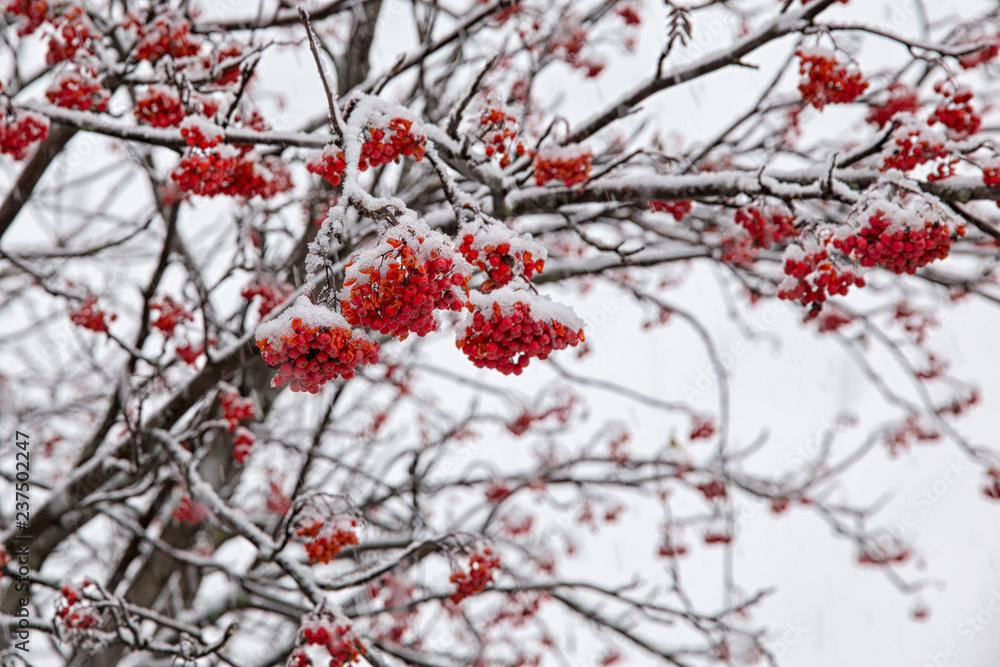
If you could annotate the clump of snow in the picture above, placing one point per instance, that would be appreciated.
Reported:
(542, 307)
(310, 313)
(563, 153)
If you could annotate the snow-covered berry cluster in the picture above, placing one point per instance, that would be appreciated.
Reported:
(201, 132)
(89, 316)
(381, 147)
(501, 254)
(569, 164)
(168, 35)
(811, 275)
(329, 164)
(507, 328)
(227, 170)
(991, 172)
(826, 80)
(767, 224)
(678, 209)
(989, 48)
(159, 106)
(901, 99)
(74, 612)
(71, 32)
(335, 635)
(899, 240)
(20, 130)
(395, 287)
(496, 128)
(956, 112)
(34, 14)
(311, 345)
(913, 144)
(324, 538)
(482, 565)
(77, 87)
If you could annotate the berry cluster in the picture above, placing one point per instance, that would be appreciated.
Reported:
(702, 428)
(811, 275)
(189, 511)
(235, 408)
(229, 75)
(168, 35)
(381, 148)
(73, 612)
(992, 490)
(718, 537)
(508, 328)
(477, 578)
(325, 539)
(570, 165)
(896, 246)
(271, 293)
(78, 88)
(73, 32)
(678, 209)
(329, 164)
(500, 136)
(956, 112)
(767, 225)
(311, 345)
(159, 106)
(630, 13)
(170, 314)
(914, 145)
(572, 47)
(395, 287)
(737, 247)
(337, 637)
(671, 549)
(991, 173)
(884, 554)
(983, 54)
(501, 254)
(189, 352)
(90, 317)
(201, 132)
(243, 440)
(36, 13)
(18, 131)
(228, 170)
(902, 99)
(832, 319)
(826, 80)
(714, 488)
